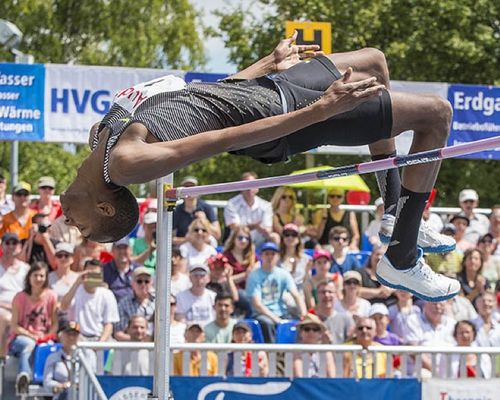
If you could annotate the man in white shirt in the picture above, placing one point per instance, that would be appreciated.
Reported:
(249, 209)
(479, 224)
(488, 328)
(197, 303)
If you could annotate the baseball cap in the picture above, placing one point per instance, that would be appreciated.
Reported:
(150, 217)
(64, 247)
(322, 253)
(10, 236)
(121, 242)
(379, 202)
(311, 319)
(203, 267)
(22, 186)
(141, 271)
(47, 181)
(194, 325)
(68, 326)
(378, 308)
(353, 275)
(460, 216)
(269, 246)
(191, 180)
(468, 194)
(291, 227)
(242, 325)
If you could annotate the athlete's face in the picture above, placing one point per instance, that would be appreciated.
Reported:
(77, 212)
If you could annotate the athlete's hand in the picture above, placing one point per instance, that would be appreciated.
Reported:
(344, 95)
(287, 53)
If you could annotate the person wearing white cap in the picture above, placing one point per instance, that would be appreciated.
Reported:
(144, 248)
(45, 204)
(374, 226)
(479, 224)
(380, 314)
(61, 280)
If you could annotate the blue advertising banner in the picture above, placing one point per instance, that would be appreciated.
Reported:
(22, 101)
(476, 115)
(203, 77)
(127, 387)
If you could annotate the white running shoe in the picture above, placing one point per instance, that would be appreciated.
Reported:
(428, 240)
(420, 280)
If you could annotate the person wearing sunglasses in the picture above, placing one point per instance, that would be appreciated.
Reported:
(491, 262)
(325, 219)
(479, 224)
(19, 220)
(197, 249)
(311, 331)
(140, 302)
(343, 261)
(352, 302)
(284, 202)
(62, 278)
(46, 204)
(292, 256)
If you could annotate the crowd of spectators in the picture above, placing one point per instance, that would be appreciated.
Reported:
(268, 264)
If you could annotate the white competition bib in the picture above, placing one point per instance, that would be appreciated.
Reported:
(134, 96)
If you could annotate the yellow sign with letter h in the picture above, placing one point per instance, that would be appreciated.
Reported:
(311, 33)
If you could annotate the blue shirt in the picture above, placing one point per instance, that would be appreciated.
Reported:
(349, 264)
(121, 286)
(269, 287)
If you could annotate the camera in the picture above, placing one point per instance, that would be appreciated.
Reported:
(154, 236)
(43, 228)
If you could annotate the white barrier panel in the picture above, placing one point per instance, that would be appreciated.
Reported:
(461, 389)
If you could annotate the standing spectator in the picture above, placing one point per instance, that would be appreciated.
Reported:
(242, 334)
(220, 330)
(6, 205)
(18, 221)
(56, 373)
(371, 289)
(327, 218)
(321, 266)
(118, 272)
(39, 246)
(343, 261)
(195, 334)
(371, 231)
(196, 250)
(34, 316)
(12, 276)
(401, 311)
(380, 314)
(310, 332)
(351, 301)
(266, 286)
(179, 280)
(491, 262)
(221, 276)
(45, 204)
(339, 326)
(197, 303)
(249, 209)
(140, 302)
(61, 280)
(292, 256)
(479, 224)
(283, 203)
(365, 334)
(472, 281)
(461, 223)
(488, 328)
(144, 248)
(191, 208)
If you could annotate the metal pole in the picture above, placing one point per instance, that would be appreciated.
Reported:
(161, 383)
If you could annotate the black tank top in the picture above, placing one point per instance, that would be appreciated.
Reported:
(330, 223)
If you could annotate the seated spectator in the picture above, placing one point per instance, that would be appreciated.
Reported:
(470, 278)
(321, 266)
(61, 280)
(118, 272)
(371, 289)
(34, 316)
(339, 326)
(221, 276)
(460, 308)
(87, 250)
(374, 226)
(488, 328)
(220, 330)
(39, 246)
(310, 331)
(45, 204)
(491, 262)
(144, 248)
(380, 314)
(479, 224)
(57, 370)
(327, 218)
(242, 334)
(18, 221)
(195, 334)
(141, 302)
(365, 334)
(446, 263)
(284, 205)
(475, 365)
(343, 261)
(177, 328)
(6, 204)
(461, 222)
(401, 311)
(495, 227)
(351, 301)
(197, 303)
(179, 279)
(266, 286)
(12, 276)
(292, 256)
(249, 209)
(196, 249)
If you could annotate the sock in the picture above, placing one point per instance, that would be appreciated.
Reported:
(389, 184)
(402, 251)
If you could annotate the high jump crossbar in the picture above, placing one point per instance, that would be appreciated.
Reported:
(361, 168)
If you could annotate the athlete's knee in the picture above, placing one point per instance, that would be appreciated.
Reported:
(437, 118)
(377, 64)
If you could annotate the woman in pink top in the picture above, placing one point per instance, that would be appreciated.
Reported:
(34, 317)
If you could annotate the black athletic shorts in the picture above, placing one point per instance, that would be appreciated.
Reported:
(303, 84)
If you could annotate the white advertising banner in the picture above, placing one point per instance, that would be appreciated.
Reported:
(76, 97)
(461, 389)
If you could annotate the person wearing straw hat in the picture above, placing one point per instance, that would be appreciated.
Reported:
(278, 107)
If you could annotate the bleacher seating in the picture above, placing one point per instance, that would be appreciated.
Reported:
(286, 332)
(41, 353)
(257, 335)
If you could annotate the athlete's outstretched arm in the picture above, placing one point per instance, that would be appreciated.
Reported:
(138, 162)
